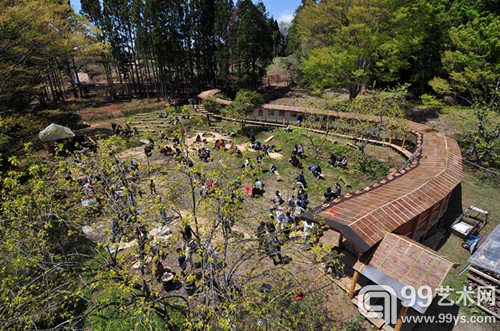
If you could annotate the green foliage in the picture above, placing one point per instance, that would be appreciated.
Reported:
(478, 133)
(355, 323)
(37, 41)
(211, 105)
(431, 101)
(471, 62)
(473, 79)
(251, 39)
(244, 104)
(349, 44)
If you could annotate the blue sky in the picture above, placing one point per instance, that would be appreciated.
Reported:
(281, 10)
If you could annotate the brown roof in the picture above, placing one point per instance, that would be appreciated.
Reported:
(367, 216)
(400, 261)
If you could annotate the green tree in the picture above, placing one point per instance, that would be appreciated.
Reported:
(245, 103)
(473, 79)
(251, 44)
(36, 45)
(471, 62)
(349, 44)
(378, 116)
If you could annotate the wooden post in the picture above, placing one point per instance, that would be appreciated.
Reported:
(354, 281)
(442, 206)
(415, 226)
(341, 238)
(429, 220)
(402, 314)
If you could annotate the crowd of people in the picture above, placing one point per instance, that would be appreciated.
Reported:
(284, 213)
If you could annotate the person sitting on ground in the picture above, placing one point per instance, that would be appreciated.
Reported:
(203, 191)
(277, 199)
(206, 155)
(218, 144)
(148, 150)
(270, 224)
(302, 194)
(257, 145)
(300, 151)
(294, 161)
(303, 203)
(294, 150)
(259, 184)
(259, 160)
(343, 163)
(301, 179)
(315, 170)
(237, 152)
(275, 251)
(337, 190)
(339, 160)
(198, 138)
(332, 160)
(272, 169)
(246, 164)
(329, 195)
(280, 216)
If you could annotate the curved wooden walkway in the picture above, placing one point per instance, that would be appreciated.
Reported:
(424, 186)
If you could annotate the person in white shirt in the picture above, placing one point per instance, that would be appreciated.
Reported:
(308, 228)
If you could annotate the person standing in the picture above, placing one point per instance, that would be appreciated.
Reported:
(152, 187)
(280, 216)
(182, 260)
(308, 228)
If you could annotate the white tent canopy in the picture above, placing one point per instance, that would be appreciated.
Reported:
(55, 132)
